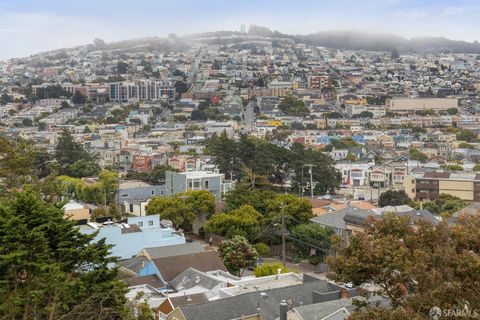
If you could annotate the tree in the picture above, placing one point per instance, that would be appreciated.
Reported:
(244, 221)
(237, 254)
(181, 87)
(452, 111)
(78, 98)
(109, 184)
(467, 135)
(415, 266)
(156, 176)
(393, 198)
(295, 210)
(122, 67)
(351, 157)
(262, 249)
(415, 154)
(293, 107)
(84, 168)
(182, 209)
(68, 151)
(312, 242)
(269, 269)
(49, 270)
(465, 145)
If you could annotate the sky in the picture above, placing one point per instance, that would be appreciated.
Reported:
(31, 26)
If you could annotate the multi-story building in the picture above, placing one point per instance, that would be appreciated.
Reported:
(141, 90)
(177, 182)
(319, 82)
(429, 185)
(410, 105)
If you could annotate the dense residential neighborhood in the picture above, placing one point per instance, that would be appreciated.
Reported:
(240, 175)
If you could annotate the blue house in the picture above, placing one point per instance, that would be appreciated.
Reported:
(128, 239)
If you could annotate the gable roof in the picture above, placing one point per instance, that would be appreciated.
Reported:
(266, 303)
(171, 267)
(191, 278)
(152, 280)
(175, 250)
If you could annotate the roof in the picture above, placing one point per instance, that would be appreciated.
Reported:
(249, 303)
(324, 309)
(472, 208)
(175, 250)
(152, 280)
(188, 299)
(191, 278)
(436, 175)
(339, 218)
(134, 264)
(171, 267)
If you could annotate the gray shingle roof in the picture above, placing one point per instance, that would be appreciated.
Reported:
(175, 250)
(254, 302)
(191, 278)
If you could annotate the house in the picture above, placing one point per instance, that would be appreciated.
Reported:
(268, 304)
(136, 190)
(76, 211)
(168, 268)
(171, 251)
(128, 239)
(177, 182)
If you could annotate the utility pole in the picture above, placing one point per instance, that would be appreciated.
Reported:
(310, 171)
(284, 260)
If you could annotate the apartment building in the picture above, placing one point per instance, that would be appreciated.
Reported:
(177, 182)
(141, 90)
(428, 186)
(319, 82)
(410, 105)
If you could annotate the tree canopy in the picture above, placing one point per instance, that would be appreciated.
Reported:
(237, 254)
(393, 198)
(415, 266)
(49, 270)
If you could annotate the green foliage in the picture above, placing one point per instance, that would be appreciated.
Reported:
(415, 154)
(467, 135)
(295, 210)
(351, 157)
(414, 266)
(68, 152)
(262, 249)
(122, 67)
(246, 194)
(343, 143)
(268, 160)
(465, 145)
(244, 221)
(452, 111)
(453, 167)
(49, 270)
(293, 107)
(52, 92)
(156, 176)
(312, 242)
(182, 208)
(237, 254)
(393, 198)
(445, 205)
(476, 168)
(269, 269)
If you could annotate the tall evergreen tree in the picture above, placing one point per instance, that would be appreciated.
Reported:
(49, 270)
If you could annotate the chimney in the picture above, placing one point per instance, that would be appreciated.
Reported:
(343, 294)
(283, 310)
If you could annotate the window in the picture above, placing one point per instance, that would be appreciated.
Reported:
(196, 184)
(153, 191)
(131, 207)
(150, 222)
(124, 195)
(140, 224)
(206, 184)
